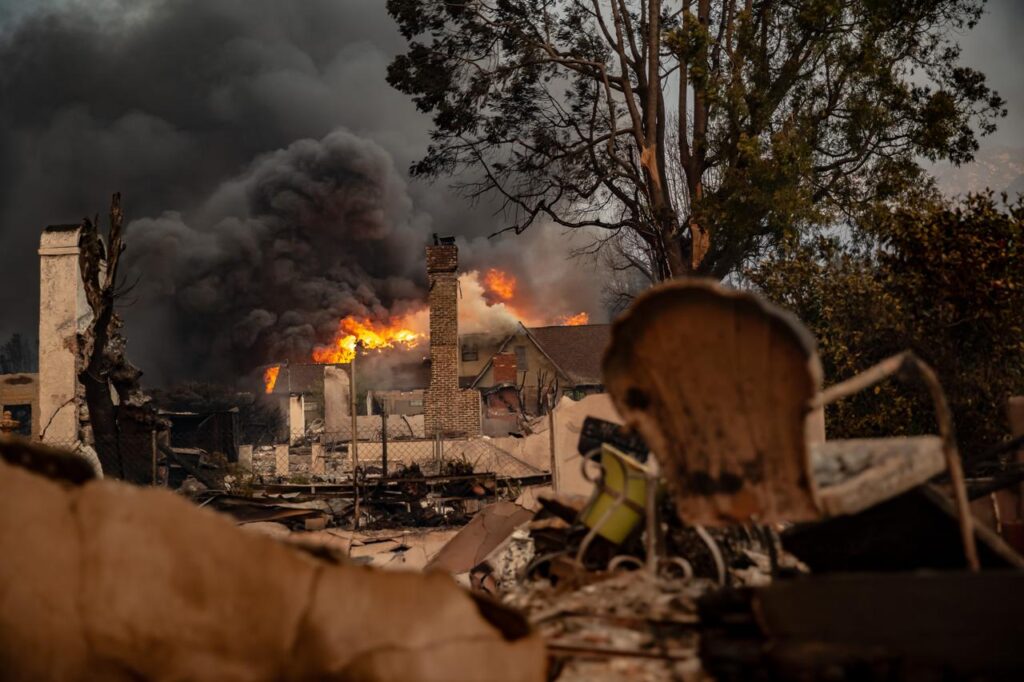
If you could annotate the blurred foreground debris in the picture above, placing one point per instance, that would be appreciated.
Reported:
(723, 387)
(108, 581)
(950, 626)
(743, 498)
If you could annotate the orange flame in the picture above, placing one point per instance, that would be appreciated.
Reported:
(270, 378)
(501, 284)
(372, 335)
(574, 320)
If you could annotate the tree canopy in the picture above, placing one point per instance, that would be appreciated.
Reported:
(706, 131)
(945, 280)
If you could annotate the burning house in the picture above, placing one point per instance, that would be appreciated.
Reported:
(539, 363)
(471, 383)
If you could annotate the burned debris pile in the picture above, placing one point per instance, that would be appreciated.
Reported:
(408, 498)
(723, 537)
(716, 556)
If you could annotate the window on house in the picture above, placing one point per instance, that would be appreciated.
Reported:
(23, 415)
(521, 359)
(469, 353)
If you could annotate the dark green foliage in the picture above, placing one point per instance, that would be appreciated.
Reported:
(18, 354)
(755, 121)
(943, 279)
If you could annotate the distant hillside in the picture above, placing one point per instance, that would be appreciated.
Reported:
(998, 168)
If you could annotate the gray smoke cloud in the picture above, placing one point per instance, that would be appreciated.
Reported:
(267, 265)
(262, 158)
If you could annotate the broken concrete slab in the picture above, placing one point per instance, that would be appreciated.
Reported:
(396, 549)
(488, 529)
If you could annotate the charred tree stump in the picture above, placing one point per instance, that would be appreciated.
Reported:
(120, 432)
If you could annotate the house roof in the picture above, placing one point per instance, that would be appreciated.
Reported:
(575, 351)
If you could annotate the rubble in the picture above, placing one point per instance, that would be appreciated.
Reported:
(482, 535)
(703, 548)
(625, 625)
(612, 606)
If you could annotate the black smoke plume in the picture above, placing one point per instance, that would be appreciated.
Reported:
(270, 262)
(262, 157)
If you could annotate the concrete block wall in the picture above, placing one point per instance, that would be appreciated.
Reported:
(447, 408)
(63, 312)
(296, 418)
(337, 399)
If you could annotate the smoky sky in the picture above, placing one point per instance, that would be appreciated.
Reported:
(270, 262)
(262, 158)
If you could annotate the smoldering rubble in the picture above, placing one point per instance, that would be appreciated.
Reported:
(706, 548)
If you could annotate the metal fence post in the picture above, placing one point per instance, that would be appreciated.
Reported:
(355, 419)
(440, 453)
(153, 438)
(355, 506)
(384, 438)
(551, 443)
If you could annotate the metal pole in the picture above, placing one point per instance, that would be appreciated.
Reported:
(551, 443)
(153, 434)
(440, 451)
(352, 407)
(355, 507)
(355, 438)
(384, 437)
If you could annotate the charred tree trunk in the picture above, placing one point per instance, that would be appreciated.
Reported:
(117, 428)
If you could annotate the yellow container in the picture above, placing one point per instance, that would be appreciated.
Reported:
(618, 502)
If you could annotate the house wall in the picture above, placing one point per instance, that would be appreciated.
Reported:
(486, 346)
(447, 408)
(539, 372)
(337, 399)
(501, 411)
(396, 402)
(296, 417)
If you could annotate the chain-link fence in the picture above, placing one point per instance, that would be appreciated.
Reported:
(332, 455)
(134, 457)
(395, 447)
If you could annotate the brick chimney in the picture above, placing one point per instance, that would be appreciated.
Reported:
(448, 410)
